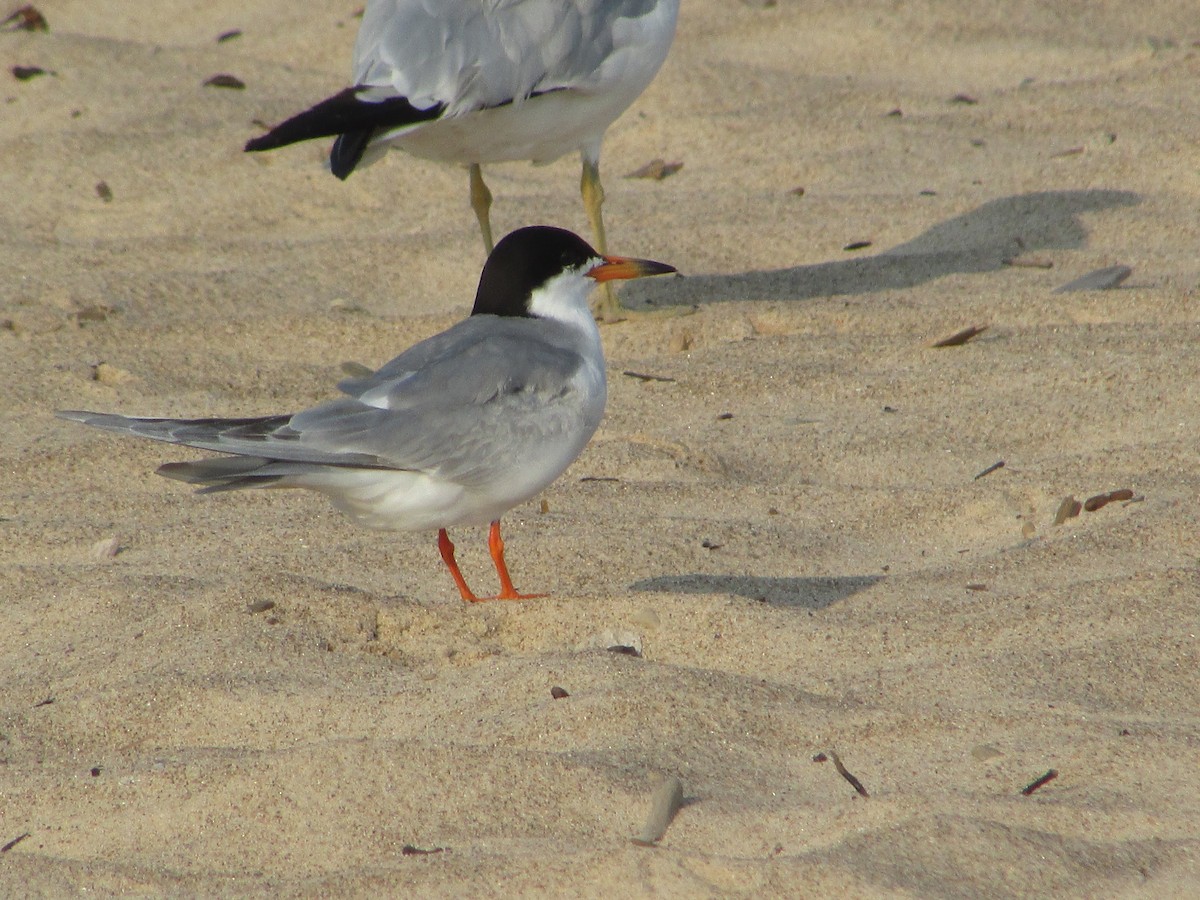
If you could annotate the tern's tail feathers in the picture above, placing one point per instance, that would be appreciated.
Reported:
(353, 120)
(202, 433)
(267, 452)
(227, 473)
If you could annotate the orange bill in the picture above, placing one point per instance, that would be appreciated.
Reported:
(620, 267)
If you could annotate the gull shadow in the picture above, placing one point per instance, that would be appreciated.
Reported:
(802, 593)
(976, 242)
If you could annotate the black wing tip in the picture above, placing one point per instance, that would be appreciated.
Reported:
(353, 121)
(348, 151)
(263, 142)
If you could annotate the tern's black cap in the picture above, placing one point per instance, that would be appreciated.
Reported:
(523, 261)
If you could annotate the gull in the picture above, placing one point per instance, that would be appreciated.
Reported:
(485, 81)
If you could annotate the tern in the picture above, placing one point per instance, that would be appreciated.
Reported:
(485, 81)
(455, 431)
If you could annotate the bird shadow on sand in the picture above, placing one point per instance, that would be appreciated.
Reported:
(975, 242)
(795, 593)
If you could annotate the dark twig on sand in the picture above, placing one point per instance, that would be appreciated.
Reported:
(841, 770)
(961, 337)
(14, 842)
(1034, 785)
(990, 469)
(641, 376)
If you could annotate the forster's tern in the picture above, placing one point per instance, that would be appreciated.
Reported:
(454, 431)
(483, 81)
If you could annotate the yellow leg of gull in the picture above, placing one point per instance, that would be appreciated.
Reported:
(481, 202)
(608, 307)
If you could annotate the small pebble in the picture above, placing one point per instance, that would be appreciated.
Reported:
(104, 550)
(681, 342)
(342, 305)
(1099, 501)
(107, 374)
(645, 618)
(27, 18)
(97, 312)
(960, 337)
(1099, 280)
(625, 650)
(1029, 262)
(623, 642)
(1068, 509)
(656, 169)
(24, 73)
(665, 802)
(226, 81)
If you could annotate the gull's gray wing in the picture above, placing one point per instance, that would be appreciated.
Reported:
(470, 54)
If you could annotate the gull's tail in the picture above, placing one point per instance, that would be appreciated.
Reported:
(353, 120)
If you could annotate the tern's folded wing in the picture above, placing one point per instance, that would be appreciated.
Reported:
(459, 405)
(459, 416)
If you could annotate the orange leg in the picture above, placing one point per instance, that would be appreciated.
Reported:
(496, 547)
(447, 550)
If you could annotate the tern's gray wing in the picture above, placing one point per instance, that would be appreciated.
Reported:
(469, 362)
(471, 54)
(479, 395)
(457, 405)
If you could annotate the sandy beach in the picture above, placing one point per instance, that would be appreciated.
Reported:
(824, 537)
